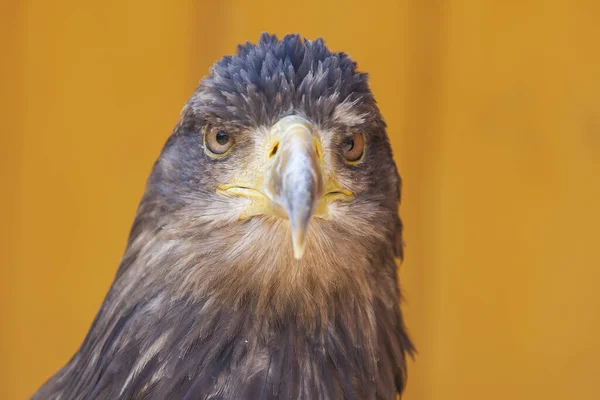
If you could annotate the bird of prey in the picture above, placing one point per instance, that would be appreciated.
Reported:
(262, 260)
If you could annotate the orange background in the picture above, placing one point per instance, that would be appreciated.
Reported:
(494, 114)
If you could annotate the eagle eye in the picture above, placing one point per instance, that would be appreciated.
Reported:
(353, 147)
(217, 142)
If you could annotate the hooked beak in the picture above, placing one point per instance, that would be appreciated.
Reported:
(294, 179)
(291, 183)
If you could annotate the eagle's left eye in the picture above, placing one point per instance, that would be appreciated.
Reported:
(353, 147)
(217, 141)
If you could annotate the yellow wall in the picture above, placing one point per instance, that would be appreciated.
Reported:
(494, 114)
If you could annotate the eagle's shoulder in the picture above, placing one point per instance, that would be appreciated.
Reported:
(197, 349)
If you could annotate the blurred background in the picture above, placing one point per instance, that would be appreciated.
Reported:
(493, 110)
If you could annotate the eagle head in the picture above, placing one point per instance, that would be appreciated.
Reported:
(280, 172)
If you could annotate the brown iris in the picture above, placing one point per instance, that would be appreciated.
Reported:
(217, 141)
(353, 147)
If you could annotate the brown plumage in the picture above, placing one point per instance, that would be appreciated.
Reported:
(284, 290)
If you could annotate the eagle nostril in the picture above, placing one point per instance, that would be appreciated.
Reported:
(274, 150)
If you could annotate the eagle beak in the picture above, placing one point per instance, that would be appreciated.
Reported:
(290, 181)
(294, 178)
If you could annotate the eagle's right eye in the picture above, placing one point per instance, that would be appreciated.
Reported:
(217, 142)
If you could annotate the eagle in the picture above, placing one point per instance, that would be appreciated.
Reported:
(262, 261)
